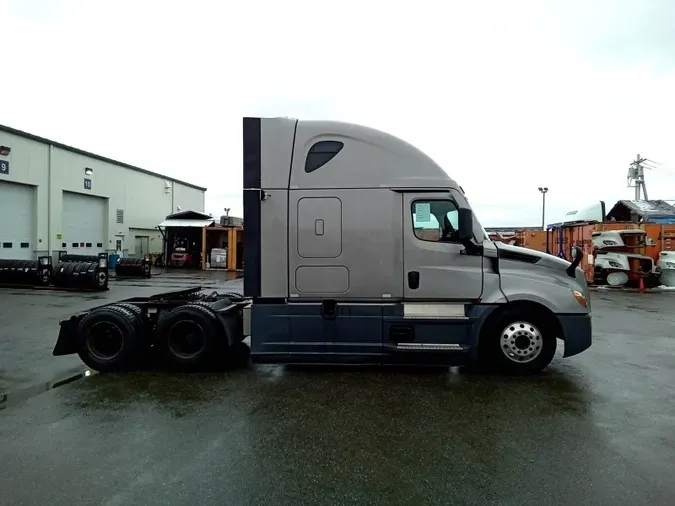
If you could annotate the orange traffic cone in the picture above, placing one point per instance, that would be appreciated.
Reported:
(641, 286)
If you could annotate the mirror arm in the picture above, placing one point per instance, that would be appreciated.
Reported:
(472, 247)
(575, 263)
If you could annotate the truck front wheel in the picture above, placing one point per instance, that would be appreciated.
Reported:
(519, 341)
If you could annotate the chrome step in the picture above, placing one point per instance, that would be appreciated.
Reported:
(430, 347)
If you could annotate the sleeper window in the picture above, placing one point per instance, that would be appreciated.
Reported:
(321, 153)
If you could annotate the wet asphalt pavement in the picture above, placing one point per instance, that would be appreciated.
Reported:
(598, 428)
(29, 325)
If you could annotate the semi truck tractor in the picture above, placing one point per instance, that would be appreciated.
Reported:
(358, 249)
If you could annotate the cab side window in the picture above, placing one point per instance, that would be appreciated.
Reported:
(435, 220)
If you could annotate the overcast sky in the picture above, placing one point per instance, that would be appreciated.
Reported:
(505, 95)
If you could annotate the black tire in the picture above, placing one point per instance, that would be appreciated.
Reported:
(88, 275)
(518, 341)
(79, 274)
(144, 356)
(130, 307)
(139, 318)
(191, 337)
(232, 295)
(20, 273)
(652, 281)
(68, 280)
(232, 324)
(213, 305)
(108, 339)
(599, 276)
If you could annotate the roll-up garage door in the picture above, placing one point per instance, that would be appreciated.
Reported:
(84, 223)
(17, 221)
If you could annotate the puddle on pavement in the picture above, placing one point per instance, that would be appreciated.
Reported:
(23, 394)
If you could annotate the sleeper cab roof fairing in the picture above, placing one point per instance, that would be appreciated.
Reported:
(362, 157)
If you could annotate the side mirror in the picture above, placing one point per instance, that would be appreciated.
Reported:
(465, 224)
(574, 252)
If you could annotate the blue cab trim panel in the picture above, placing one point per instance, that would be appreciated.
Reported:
(577, 333)
(252, 202)
(360, 333)
(312, 333)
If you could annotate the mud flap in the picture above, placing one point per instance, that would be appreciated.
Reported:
(66, 343)
(577, 333)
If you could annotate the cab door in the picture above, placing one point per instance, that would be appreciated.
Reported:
(436, 264)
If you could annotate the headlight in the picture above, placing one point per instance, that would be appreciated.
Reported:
(614, 264)
(580, 298)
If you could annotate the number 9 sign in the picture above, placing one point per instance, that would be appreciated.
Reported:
(4, 167)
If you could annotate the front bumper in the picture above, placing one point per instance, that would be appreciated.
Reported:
(577, 332)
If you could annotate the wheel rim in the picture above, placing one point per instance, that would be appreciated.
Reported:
(521, 342)
(105, 341)
(186, 339)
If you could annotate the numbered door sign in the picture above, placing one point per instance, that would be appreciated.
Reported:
(4, 167)
(87, 184)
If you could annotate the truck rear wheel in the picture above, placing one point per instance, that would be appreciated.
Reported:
(519, 341)
(108, 339)
(190, 337)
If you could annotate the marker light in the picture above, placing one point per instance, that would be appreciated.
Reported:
(580, 298)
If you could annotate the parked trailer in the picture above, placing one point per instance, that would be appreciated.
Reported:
(358, 249)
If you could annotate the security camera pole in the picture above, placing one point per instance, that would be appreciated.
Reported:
(543, 191)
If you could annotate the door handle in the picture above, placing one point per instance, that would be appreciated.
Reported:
(413, 280)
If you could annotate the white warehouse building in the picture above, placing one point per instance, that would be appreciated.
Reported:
(55, 198)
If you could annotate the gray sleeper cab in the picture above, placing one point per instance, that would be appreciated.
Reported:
(359, 248)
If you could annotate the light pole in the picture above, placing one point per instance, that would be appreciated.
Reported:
(543, 191)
